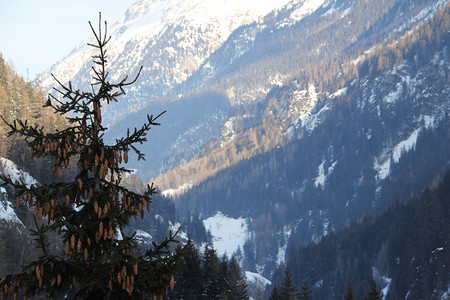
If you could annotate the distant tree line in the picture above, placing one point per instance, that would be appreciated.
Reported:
(206, 276)
(403, 249)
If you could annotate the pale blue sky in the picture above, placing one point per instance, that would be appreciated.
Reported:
(34, 34)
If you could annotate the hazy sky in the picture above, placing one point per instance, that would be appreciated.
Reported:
(35, 34)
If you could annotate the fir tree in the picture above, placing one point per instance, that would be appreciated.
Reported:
(305, 294)
(237, 287)
(223, 280)
(275, 294)
(288, 290)
(373, 293)
(211, 275)
(349, 295)
(90, 212)
(189, 281)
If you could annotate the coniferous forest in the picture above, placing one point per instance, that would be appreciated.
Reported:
(407, 241)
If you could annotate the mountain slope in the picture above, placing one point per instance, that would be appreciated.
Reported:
(321, 51)
(171, 39)
(238, 49)
(381, 138)
(405, 250)
(339, 108)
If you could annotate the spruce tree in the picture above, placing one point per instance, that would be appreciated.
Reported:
(305, 294)
(275, 294)
(288, 291)
(237, 287)
(373, 293)
(349, 295)
(189, 281)
(89, 212)
(211, 275)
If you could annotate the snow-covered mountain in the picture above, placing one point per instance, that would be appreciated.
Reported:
(8, 216)
(175, 41)
(171, 39)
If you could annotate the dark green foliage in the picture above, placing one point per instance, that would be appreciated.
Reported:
(194, 225)
(208, 277)
(305, 293)
(88, 212)
(275, 293)
(288, 291)
(406, 243)
(189, 281)
(349, 295)
(237, 288)
(373, 293)
(212, 279)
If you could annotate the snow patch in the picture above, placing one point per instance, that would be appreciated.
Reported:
(228, 134)
(281, 255)
(228, 234)
(395, 94)
(330, 11)
(143, 237)
(405, 146)
(437, 250)
(312, 121)
(7, 213)
(339, 92)
(302, 10)
(307, 118)
(384, 279)
(178, 191)
(385, 290)
(302, 104)
(256, 279)
(446, 294)
(182, 235)
(429, 121)
(322, 177)
(383, 164)
(10, 169)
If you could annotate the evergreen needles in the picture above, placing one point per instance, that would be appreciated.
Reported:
(98, 260)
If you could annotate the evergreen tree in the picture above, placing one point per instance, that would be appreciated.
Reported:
(189, 282)
(288, 290)
(89, 212)
(305, 294)
(275, 294)
(349, 295)
(237, 287)
(223, 282)
(211, 274)
(373, 293)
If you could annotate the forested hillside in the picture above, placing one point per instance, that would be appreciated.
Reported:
(24, 100)
(382, 41)
(405, 250)
(383, 137)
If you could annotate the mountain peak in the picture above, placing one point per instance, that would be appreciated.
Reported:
(170, 38)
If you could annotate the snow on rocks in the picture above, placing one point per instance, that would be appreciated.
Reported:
(10, 169)
(7, 213)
